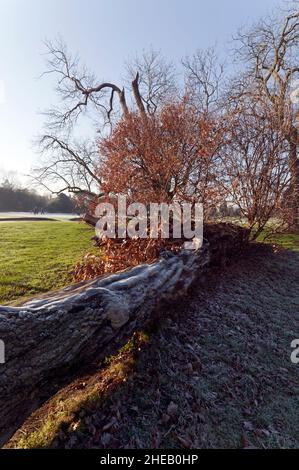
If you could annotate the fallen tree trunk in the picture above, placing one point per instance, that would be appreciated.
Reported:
(48, 336)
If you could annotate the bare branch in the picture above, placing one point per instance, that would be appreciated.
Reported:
(77, 88)
(204, 75)
(156, 79)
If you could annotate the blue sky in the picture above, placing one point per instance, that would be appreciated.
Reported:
(105, 34)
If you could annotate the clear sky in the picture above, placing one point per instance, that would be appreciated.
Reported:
(105, 34)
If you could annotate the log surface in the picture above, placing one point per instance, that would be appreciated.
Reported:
(51, 334)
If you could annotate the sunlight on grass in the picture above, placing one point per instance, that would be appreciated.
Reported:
(64, 410)
(289, 241)
(36, 257)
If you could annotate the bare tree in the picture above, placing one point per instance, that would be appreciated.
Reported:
(254, 160)
(271, 50)
(78, 89)
(66, 167)
(204, 76)
(69, 165)
(157, 79)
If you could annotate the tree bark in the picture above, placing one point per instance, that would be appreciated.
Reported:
(137, 96)
(294, 184)
(48, 337)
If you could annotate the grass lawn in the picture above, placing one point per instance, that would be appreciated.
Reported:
(221, 359)
(215, 374)
(289, 241)
(36, 257)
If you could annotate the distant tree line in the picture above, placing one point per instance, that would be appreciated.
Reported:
(24, 200)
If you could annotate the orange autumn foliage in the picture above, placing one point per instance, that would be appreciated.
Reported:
(163, 157)
(166, 157)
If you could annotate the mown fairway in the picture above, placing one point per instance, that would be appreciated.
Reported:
(36, 257)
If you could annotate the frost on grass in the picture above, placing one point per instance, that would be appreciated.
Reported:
(217, 373)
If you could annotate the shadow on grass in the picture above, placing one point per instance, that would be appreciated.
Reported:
(65, 416)
(216, 373)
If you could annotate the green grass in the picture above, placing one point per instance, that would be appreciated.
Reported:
(235, 332)
(64, 411)
(289, 241)
(37, 257)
